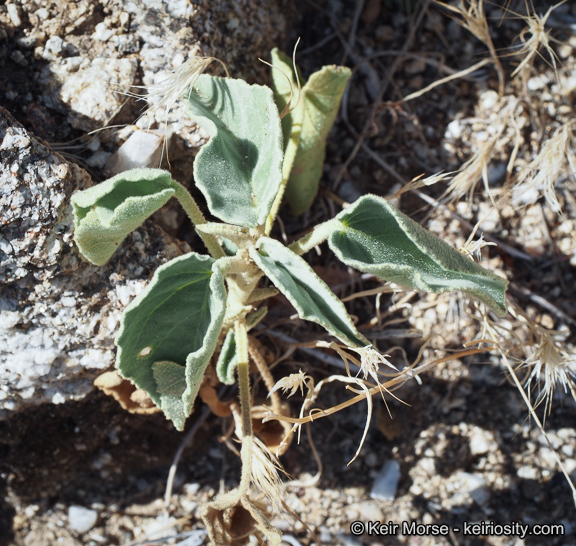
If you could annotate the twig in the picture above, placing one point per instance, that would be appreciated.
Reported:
(316, 353)
(353, 28)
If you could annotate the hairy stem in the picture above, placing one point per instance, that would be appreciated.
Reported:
(196, 216)
(241, 338)
(317, 236)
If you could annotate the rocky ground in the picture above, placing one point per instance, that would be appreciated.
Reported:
(462, 446)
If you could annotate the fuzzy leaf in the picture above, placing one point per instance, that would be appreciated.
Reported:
(284, 90)
(307, 126)
(239, 170)
(309, 294)
(227, 361)
(376, 238)
(105, 214)
(170, 331)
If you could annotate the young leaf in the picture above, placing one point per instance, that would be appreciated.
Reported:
(307, 126)
(376, 238)
(239, 170)
(286, 95)
(309, 294)
(170, 331)
(106, 213)
(227, 361)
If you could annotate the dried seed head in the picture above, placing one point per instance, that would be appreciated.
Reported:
(265, 469)
(550, 366)
(162, 96)
(370, 360)
(294, 382)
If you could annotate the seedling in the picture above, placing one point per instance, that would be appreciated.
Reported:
(201, 307)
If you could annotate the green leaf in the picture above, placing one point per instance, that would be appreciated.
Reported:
(286, 94)
(105, 214)
(227, 361)
(170, 331)
(376, 238)
(307, 126)
(239, 170)
(309, 294)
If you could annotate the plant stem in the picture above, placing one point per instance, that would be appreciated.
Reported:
(196, 216)
(265, 373)
(241, 338)
(317, 236)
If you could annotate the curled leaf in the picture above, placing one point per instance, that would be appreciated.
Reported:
(170, 331)
(106, 213)
(239, 170)
(306, 126)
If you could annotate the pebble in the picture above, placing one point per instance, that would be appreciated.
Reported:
(81, 519)
(386, 482)
(42, 13)
(481, 441)
(54, 45)
(472, 485)
(14, 13)
(142, 149)
(19, 58)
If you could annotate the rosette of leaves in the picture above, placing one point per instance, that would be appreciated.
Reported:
(196, 303)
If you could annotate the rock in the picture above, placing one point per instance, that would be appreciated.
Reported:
(481, 441)
(386, 481)
(58, 314)
(142, 149)
(89, 89)
(469, 485)
(81, 519)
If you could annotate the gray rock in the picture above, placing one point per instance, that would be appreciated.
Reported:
(386, 481)
(58, 314)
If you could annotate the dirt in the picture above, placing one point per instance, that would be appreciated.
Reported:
(468, 449)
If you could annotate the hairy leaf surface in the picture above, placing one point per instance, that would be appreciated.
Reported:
(239, 170)
(307, 126)
(309, 294)
(106, 213)
(376, 238)
(170, 331)
(227, 361)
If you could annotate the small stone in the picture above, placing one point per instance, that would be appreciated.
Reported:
(348, 191)
(481, 441)
(81, 519)
(14, 12)
(142, 149)
(58, 398)
(18, 57)
(42, 13)
(386, 481)
(473, 485)
(54, 45)
(102, 32)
